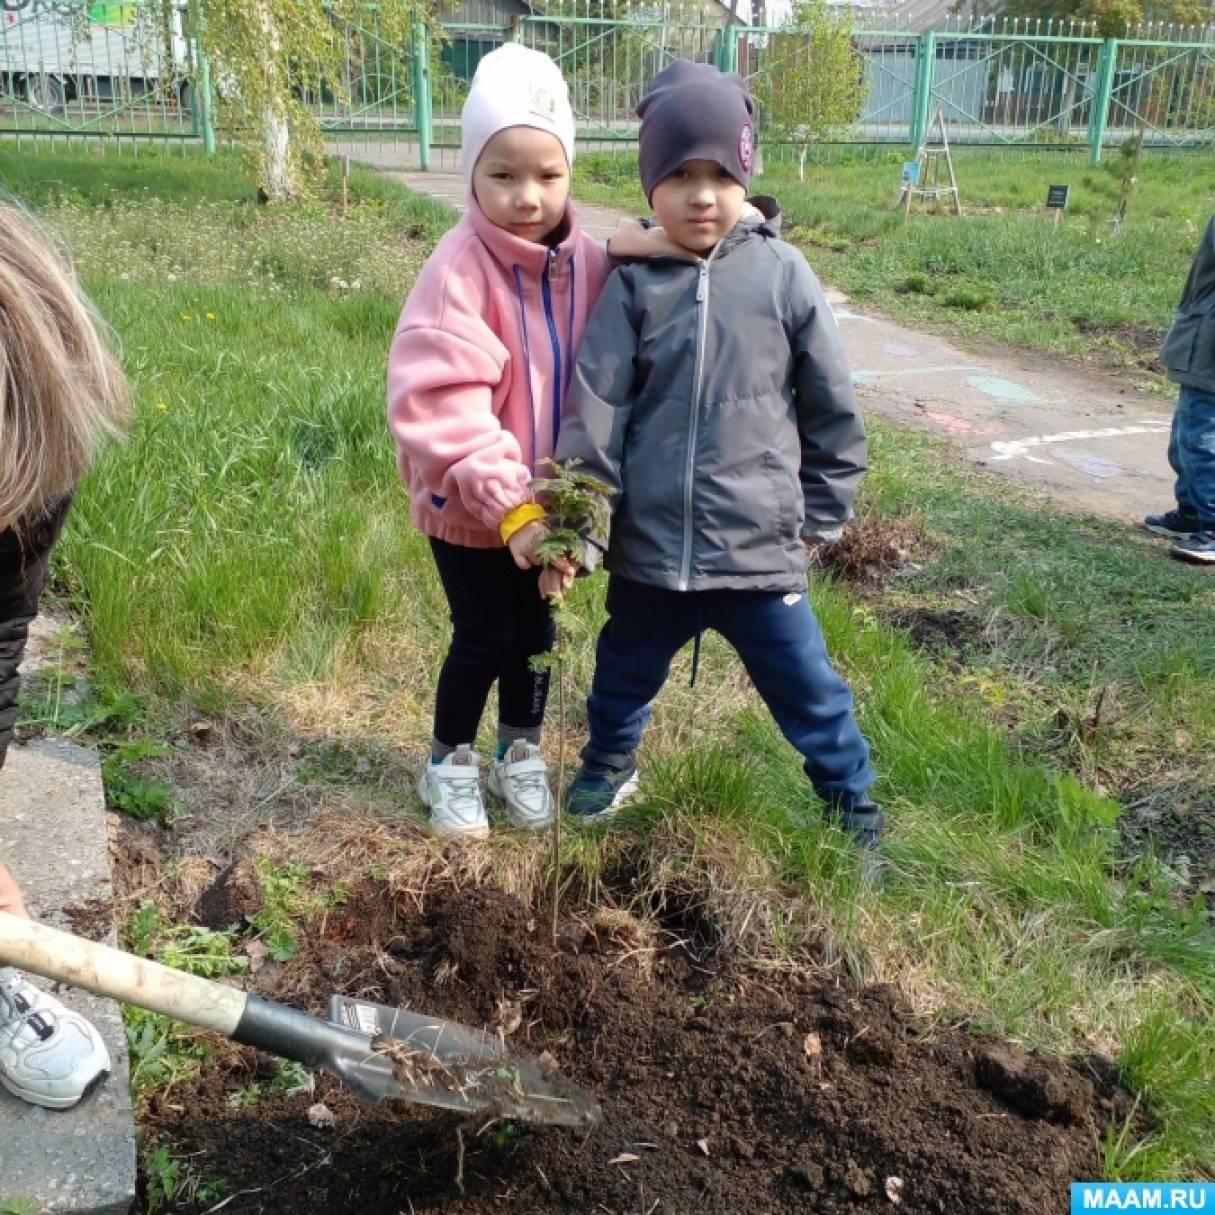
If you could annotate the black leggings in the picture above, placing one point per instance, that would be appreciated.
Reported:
(24, 550)
(499, 622)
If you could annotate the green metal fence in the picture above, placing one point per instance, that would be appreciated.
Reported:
(137, 71)
(112, 70)
(1023, 84)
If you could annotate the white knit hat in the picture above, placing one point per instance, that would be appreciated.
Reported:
(515, 86)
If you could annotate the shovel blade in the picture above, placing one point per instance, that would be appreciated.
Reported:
(413, 1057)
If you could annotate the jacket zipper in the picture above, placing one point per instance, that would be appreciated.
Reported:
(527, 361)
(702, 325)
(546, 291)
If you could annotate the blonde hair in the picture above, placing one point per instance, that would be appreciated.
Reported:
(60, 388)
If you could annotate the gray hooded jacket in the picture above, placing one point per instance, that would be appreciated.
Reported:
(714, 397)
(1189, 350)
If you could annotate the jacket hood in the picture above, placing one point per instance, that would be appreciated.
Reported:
(512, 250)
(635, 239)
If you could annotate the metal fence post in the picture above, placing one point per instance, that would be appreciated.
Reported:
(1103, 92)
(202, 101)
(423, 103)
(925, 61)
(205, 101)
(728, 49)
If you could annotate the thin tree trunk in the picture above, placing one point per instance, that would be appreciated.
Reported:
(801, 162)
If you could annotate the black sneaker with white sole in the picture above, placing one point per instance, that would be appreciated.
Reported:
(1175, 523)
(599, 790)
(865, 823)
(1199, 548)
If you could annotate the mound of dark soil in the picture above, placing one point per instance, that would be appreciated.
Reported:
(722, 1093)
(946, 633)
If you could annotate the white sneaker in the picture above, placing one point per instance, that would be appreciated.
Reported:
(452, 790)
(49, 1055)
(520, 779)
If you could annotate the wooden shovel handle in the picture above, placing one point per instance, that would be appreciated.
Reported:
(121, 976)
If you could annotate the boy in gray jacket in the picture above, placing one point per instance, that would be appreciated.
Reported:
(713, 396)
(1189, 358)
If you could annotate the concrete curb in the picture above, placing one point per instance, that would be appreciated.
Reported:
(53, 836)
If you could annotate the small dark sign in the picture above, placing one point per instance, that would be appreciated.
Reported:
(1056, 198)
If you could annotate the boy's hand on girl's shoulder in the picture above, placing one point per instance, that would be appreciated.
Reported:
(524, 542)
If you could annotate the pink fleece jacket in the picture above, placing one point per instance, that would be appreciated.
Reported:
(479, 368)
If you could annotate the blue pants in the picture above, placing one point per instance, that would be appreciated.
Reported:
(781, 646)
(1192, 453)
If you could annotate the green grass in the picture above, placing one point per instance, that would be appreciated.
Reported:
(248, 552)
(106, 179)
(1000, 271)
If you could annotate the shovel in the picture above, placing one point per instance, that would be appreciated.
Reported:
(376, 1051)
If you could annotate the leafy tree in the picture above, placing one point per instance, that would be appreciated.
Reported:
(813, 79)
(1110, 17)
(267, 55)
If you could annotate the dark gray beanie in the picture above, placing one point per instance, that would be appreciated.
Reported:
(694, 112)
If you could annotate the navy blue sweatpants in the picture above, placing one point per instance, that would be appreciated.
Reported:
(781, 646)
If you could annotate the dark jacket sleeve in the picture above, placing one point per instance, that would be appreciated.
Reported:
(24, 551)
(828, 418)
(601, 397)
(1188, 353)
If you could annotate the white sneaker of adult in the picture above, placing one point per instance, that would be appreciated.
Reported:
(452, 791)
(49, 1055)
(520, 779)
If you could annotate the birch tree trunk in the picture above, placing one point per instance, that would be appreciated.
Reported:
(277, 178)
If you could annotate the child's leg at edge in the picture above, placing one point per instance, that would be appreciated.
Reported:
(523, 692)
(1192, 452)
(781, 645)
(24, 553)
(646, 628)
(480, 594)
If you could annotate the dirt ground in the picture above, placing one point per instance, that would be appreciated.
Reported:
(723, 1088)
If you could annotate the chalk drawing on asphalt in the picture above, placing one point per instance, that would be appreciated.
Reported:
(1001, 389)
(1012, 449)
(958, 426)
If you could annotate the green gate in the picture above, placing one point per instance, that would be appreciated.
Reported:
(374, 104)
(607, 55)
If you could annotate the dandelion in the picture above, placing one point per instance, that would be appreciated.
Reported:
(210, 316)
(162, 406)
(187, 316)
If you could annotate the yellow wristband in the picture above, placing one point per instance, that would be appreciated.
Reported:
(517, 519)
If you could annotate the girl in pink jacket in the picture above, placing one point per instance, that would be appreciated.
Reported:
(477, 376)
